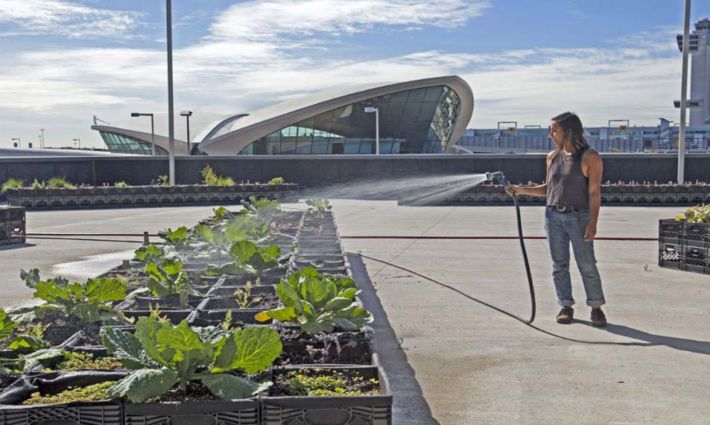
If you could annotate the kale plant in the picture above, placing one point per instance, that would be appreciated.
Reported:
(168, 278)
(318, 304)
(89, 302)
(247, 257)
(150, 253)
(162, 356)
(318, 206)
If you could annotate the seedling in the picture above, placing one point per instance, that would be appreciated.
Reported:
(244, 296)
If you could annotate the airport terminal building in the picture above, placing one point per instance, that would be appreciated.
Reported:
(421, 116)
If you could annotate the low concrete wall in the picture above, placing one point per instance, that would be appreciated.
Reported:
(323, 170)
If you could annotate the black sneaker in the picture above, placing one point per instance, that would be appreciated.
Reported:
(565, 315)
(598, 318)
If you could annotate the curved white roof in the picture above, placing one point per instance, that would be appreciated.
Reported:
(161, 141)
(249, 128)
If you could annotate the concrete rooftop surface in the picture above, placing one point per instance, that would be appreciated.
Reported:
(453, 360)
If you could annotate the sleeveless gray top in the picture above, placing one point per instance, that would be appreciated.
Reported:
(567, 186)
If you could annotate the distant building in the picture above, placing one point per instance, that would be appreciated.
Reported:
(662, 138)
(421, 116)
(699, 51)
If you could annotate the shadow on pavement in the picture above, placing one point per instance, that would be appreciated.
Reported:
(7, 247)
(682, 344)
(410, 407)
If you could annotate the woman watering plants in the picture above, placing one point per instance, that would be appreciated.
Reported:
(573, 191)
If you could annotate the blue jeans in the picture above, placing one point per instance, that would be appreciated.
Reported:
(561, 230)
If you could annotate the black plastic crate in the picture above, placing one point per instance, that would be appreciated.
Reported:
(670, 255)
(241, 412)
(304, 410)
(696, 232)
(670, 228)
(12, 412)
(12, 225)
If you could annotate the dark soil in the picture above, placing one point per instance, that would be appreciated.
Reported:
(333, 348)
(351, 382)
(60, 327)
(194, 391)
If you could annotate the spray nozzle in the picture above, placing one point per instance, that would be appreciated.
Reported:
(496, 177)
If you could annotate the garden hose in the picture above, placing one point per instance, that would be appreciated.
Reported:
(497, 176)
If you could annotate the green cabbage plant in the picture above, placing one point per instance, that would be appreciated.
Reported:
(162, 356)
(318, 303)
(249, 258)
(89, 301)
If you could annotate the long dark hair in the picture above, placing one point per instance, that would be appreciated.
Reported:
(570, 123)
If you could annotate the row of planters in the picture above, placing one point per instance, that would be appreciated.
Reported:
(249, 317)
(684, 242)
(13, 225)
(639, 194)
(58, 193)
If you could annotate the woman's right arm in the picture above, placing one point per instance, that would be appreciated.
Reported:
(539, 190)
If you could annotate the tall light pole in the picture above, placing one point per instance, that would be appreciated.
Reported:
(187, 115)
(78, 141)
(683, 96)
(19, 144)
(369, 110)
(171, 118)
(152, 128)
(42, 143)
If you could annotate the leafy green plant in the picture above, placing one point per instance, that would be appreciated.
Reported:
(163, 356)
(318, 304)
(222, 213)
(244, 296)
(277, 180)
(60, 183)
(696, 214)
(238, 228)
(318, 206)
(7, 325)
(178, 237)
(12, 184)
(263, 208)
(120, 184)
(168, 278)
(247, 257)
(210, 178)
(36, 184)
(161, 180)
(88, 301)
(21, 337)
(150, 253)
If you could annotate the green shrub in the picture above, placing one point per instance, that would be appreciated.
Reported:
(210, 178)
(120, 184)
(162, 180)
(277, 180)
(12, 184)
(697, 214)
(36, 184)
(60, 183)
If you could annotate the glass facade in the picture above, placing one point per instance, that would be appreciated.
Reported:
(411, 121)
(119, 143)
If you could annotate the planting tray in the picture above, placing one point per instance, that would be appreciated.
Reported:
(339, 347)
(242, 412)
(213, 310)
(78, 413)
(303, 410)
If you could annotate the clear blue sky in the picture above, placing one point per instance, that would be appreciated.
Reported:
(66, 60)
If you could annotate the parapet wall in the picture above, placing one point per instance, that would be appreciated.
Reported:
(324, 170)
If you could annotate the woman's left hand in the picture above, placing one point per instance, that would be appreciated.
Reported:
(590, 232)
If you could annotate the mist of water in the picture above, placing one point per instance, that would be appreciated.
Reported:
(429, 190)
